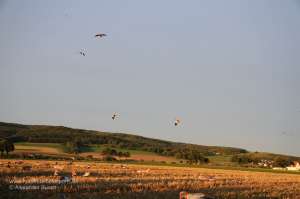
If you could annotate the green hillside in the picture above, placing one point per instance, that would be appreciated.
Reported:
(61, 134)
(86, 140)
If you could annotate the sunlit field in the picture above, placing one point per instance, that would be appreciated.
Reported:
(104, 180)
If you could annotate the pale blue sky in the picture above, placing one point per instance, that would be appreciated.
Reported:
(229, 69)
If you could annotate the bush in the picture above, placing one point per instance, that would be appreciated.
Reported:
(113, 152)
(6, 145)
(109, 158)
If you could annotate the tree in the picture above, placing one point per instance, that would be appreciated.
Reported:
(120, 154)
(7, 146)
(126, 154)
(2, 148)
(113, 152)
(283, 162)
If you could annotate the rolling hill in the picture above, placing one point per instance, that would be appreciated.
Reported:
(90, 141)
(61, 134)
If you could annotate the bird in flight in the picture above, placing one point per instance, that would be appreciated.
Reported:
(177, 122)
(114, 116)
(82, 53)
(100, 35)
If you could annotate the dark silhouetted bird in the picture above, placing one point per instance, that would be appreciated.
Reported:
(82, 53)
(114, 116)
(100, 35)
(177, 122)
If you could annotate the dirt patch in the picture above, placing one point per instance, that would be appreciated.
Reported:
(37, 149)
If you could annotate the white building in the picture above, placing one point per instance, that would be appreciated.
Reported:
(294, 167)
(279, 168)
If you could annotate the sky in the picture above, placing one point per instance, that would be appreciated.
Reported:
(228, 69)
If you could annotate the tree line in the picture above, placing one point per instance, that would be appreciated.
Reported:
(255, 158)
(114, 152)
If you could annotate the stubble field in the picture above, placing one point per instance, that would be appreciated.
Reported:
(36, 179)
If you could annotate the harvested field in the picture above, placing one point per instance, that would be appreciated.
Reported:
(37, 149)
(40, 148)
(139, 181)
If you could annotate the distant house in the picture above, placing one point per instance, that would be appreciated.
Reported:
(294, 167)
(266, 163)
